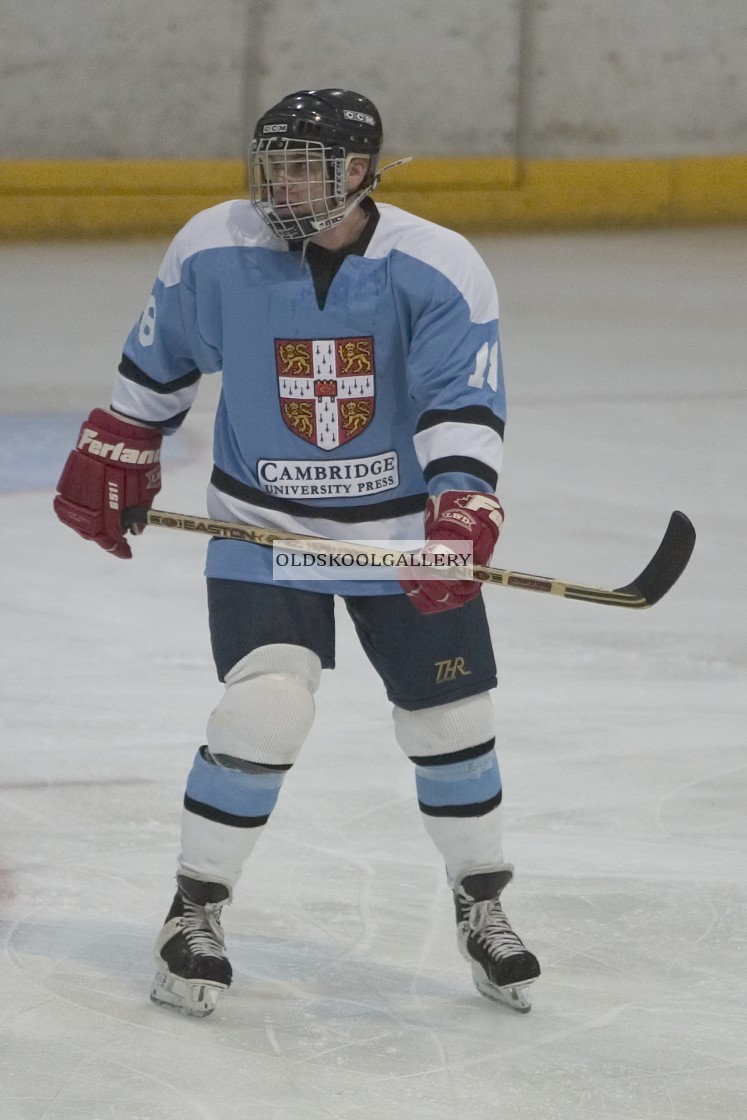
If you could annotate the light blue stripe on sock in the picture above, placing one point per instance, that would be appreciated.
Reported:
(459, 783)
(233, 791)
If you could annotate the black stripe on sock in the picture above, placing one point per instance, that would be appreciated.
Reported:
(455, 756)
(245, 765)
(212, 814)
(479, 809)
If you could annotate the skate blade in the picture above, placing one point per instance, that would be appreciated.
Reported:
(192, 997)
(516, 996)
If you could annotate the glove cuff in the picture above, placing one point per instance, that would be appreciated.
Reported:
(109, 439)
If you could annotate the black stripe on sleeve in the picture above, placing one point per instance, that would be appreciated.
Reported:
(455, 756)
(461, 464)
(347, 514)
(212, 814)
(131, 372)
(168, 426)
(473, 414)
(479, 809)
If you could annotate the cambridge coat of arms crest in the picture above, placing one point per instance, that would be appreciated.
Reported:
(326, 388)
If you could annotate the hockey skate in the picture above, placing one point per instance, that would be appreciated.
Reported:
(193, 969)
(502, 967)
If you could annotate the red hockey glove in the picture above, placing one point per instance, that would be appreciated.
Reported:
(115, 467)
(456, 515)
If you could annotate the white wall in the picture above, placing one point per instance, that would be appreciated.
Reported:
(637, 77)
(444, 74)
(534, 78)
(122, 78)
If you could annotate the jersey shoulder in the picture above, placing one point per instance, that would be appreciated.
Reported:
(439, 248)
(233, 224)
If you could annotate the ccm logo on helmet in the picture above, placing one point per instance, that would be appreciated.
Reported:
(116, 452)
(275, 128)
(362, 118)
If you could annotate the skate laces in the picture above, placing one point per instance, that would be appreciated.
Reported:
(202, 929)
(490, 927)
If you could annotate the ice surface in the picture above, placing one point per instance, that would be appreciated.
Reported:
(621, 739)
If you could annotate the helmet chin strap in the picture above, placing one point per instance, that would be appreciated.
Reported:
(356, 199)
(389, 166)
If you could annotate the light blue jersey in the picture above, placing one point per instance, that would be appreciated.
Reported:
(334, 421)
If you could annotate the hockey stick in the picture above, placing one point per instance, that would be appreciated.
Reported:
(660, 574)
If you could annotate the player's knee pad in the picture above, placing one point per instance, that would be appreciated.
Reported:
(432, 734)
(267, 709)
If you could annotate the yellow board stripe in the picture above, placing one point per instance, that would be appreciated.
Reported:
(63, 198)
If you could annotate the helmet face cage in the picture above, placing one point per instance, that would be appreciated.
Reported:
(298, 186)
(300, 155)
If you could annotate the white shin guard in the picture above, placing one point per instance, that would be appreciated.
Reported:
(259, 725)
(431, 735)
(267, 709)
(214, 852)
(432, 732)
(467, 843)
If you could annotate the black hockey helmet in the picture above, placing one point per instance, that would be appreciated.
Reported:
(328, 125)
(336, 117)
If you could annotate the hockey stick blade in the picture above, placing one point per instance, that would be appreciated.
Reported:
(668, 562)
(659, 575)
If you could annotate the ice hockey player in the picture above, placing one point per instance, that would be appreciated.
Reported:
(362, 397)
